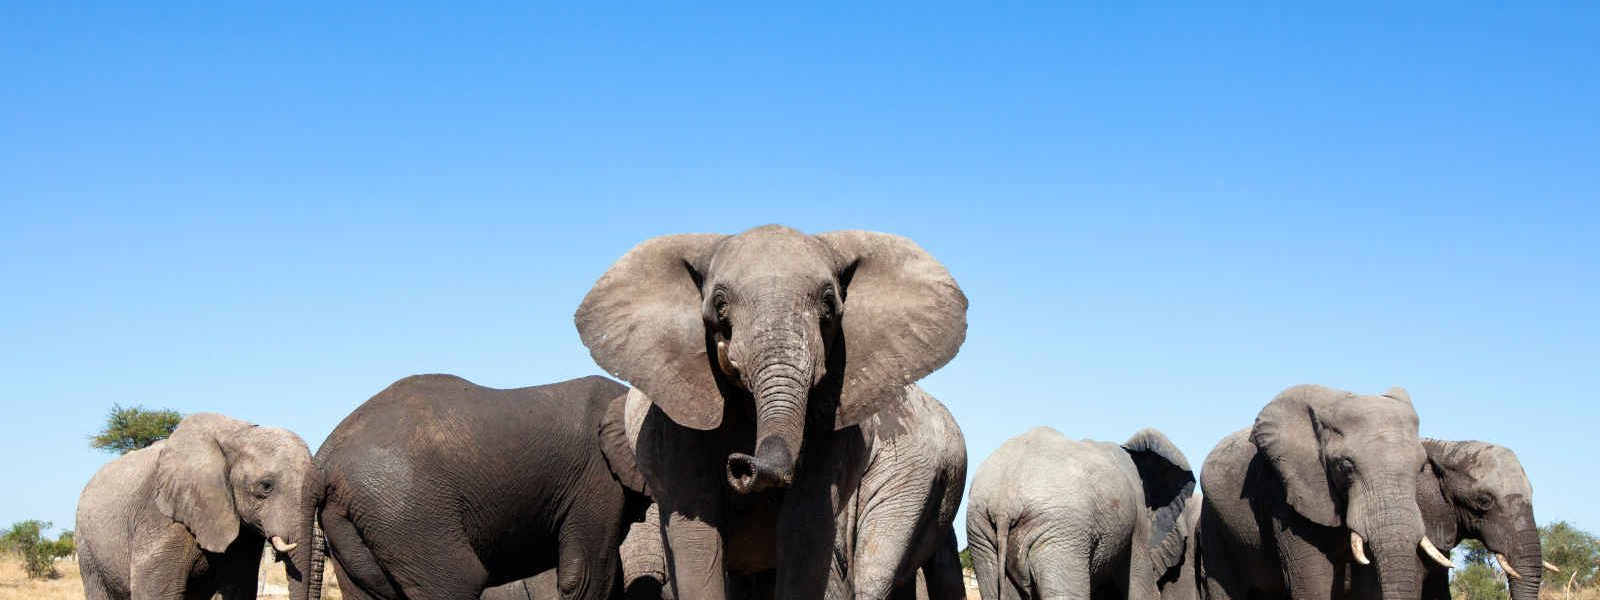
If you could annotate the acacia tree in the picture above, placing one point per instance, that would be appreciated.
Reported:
(1575, 551)
(134, 427)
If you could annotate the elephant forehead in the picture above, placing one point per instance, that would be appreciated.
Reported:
(771, 252)
(1376, 413)
(1500, 470)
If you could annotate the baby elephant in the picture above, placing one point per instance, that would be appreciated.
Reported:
(187, 517)
(1057, 518)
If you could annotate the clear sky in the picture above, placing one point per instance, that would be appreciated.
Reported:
(1162, 215)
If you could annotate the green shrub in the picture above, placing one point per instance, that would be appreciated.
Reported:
(132, 428)
(38, 553)
(966, 558)
(1575, 551)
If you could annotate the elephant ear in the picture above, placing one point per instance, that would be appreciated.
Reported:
(1438, 513)
(1168, 486)
(1399, 393)
(1286, 433)
(616, 445)
(642, 323)
(902, 317)
(192, 480)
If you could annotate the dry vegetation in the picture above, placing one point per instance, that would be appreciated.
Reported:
(15, 585)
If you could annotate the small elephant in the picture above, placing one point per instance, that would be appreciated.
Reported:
(771, 364)
(1477, 490)
(440, 488)
(1322, 477)
(188, 516)
(1053, 517)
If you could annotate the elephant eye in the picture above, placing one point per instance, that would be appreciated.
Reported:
(1346, 466)
(719, 305)
(264, 488)
(1484, 502)
(830, 304)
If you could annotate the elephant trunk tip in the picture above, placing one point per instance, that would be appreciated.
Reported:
(773, 466)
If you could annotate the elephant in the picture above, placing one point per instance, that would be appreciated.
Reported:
(1477, 490)
(1322, 476)
(439, 488)
(777, 423)
(188, 516)
(1182, 581)
(1057, 518)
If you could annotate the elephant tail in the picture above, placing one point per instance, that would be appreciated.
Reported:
(1002, 532)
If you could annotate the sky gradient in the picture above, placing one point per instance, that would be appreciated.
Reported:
(1162, 215)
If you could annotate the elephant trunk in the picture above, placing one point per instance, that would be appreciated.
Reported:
(1527, 561)
(1393, 541)
(781, 390)
(306, 560)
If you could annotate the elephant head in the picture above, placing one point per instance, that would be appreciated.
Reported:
(1168, 487)
(1478, 490)
(215, 473)
(828, 327)
(1352, 462)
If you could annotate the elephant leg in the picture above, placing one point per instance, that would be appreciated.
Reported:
(162, 573)
(1061, 575)
(587, 567)
(817, 531)
(347, 586)
(942, 572)
(1308, 572)
(694, 556)
(360, 576)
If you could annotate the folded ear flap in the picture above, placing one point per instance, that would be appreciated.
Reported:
(902, 317)
(1438, 513)
(1399, 393)
(1168, 486)
(1285, 432)
(192, 480)
(642, 323)
(617, 446)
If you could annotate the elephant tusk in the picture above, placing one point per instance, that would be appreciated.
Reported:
(1433, 553)
(282, 546)
(1505, 565)
(1358, 547)
(1552, 568)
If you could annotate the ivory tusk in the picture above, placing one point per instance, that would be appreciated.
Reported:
(1358, 547)
(1505, 565)
(1552, 568)
(1433, 553)
(282, 546)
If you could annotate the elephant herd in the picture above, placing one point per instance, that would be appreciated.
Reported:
(774, 444)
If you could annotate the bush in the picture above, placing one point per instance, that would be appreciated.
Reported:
(1478, 581)
(966, 558)
(1574, 550)
(129, 429)
(38, 553)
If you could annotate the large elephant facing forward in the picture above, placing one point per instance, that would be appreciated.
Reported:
(1324, 478)
(1053, 517)
(768, 364)
(187, 517)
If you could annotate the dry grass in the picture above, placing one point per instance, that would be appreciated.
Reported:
(1592, 593)
(15, 585)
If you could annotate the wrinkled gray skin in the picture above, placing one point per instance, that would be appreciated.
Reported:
(769, 359)
(1056, 518)
(1182, 581)
(1275, 518)
(1476, 490)
(440, 488)
(187, 517)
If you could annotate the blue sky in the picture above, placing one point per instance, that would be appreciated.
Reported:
(1162, 215)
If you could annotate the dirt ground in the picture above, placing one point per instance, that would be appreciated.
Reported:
(15, 585)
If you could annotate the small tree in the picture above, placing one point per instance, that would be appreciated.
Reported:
(966, 558)
(132, 428)
(38, 553)
(1575, 551)
(1477, 580)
